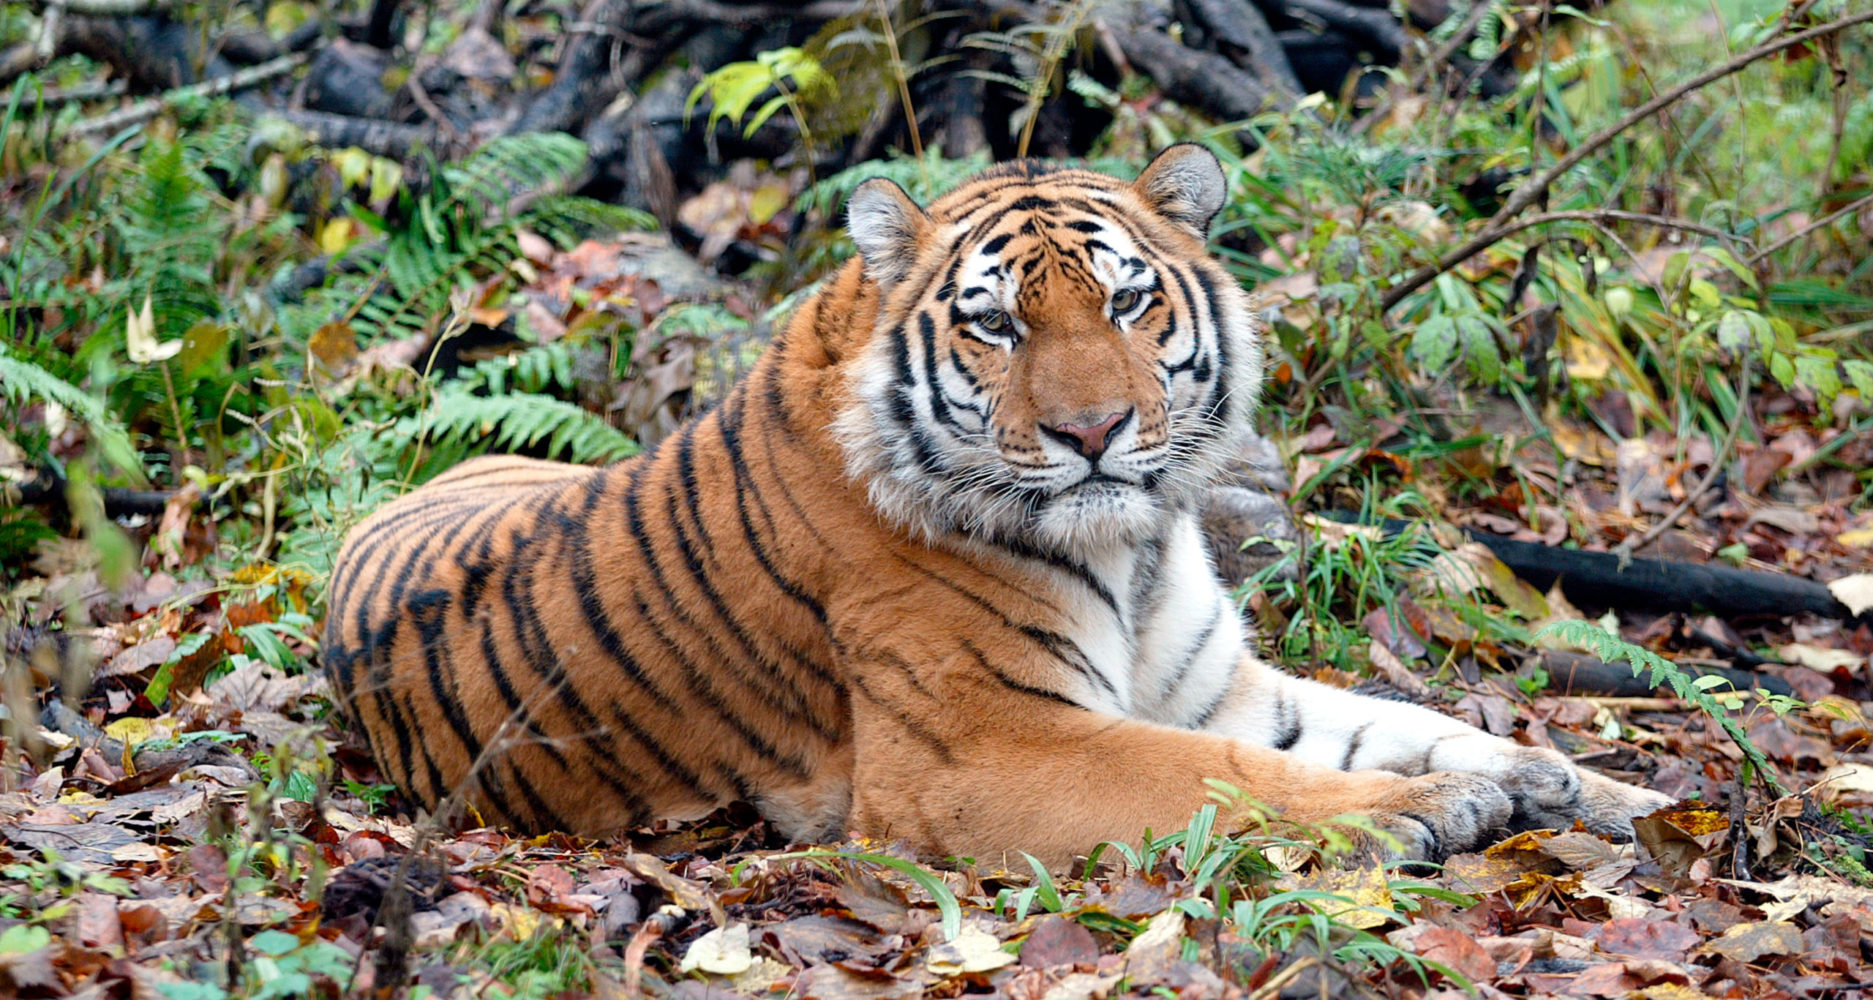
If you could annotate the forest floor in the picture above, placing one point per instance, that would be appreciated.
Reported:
(223, 347)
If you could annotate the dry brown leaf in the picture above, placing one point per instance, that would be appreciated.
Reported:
(1749, 942)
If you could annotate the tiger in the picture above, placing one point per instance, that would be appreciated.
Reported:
(930, 572)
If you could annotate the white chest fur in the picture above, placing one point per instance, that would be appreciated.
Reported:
(1159, 635)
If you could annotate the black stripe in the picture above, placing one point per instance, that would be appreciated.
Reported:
(906, 719)
(1287, 722)
(1010, 683)
(1190, 656)
(1352, 747)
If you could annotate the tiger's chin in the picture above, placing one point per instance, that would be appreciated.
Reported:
(1097, 515)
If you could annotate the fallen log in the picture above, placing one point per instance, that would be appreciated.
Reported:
(1577, 673)
(1598, 579)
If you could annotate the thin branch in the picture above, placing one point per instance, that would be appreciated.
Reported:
(1821, 223)
(105, 8)
(143, 111)
(1602, 215)
(1533, 189)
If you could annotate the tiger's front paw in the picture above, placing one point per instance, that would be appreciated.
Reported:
(1435, 815)
(1551, 792)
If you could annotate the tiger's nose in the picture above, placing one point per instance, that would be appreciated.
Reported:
(1089, 439)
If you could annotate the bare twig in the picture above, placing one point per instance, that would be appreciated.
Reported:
(1821, 223)
(1599, 216)
(84, 92)
(1536, 187)
(143, 111)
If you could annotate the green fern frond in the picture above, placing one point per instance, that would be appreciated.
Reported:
(512, 165)
(21, 380)
(517, 421)
(1696, 690)
(536, 369)
(567, 219)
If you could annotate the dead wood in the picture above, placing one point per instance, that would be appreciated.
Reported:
(1577, 673)
(1237, 29)
(1598, 580)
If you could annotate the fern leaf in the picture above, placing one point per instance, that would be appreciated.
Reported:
(20, 380)
(518, 421)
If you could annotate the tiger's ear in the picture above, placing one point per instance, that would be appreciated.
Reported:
(888, 228)
(1185, 184)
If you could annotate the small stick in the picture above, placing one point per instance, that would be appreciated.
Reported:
(1820, 223)
(143, 111)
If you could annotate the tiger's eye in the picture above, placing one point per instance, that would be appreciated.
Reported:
(1125, 300)
(995, 322)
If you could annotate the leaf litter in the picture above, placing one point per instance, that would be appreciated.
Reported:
(194, 825)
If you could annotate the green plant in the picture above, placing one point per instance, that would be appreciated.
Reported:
(1037, 47)
(732, 89)
(460, 230)
(1696, 690)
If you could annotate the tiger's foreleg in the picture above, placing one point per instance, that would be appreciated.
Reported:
(958, 761)
(1352, 732)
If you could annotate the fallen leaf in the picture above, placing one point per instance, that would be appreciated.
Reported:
(1855, 591)
(1457, 950)
(1842, 779)
(1395, 672)
(1058, 940)
(1583, 851)
(1819, 657)
(1366, 893)
(1641, 938)
(723, 951)
(1748, 942)
(974, 950)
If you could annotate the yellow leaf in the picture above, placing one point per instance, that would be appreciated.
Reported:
(353, 164)
(131, 731)
(519, 922)
(335, 235)
(1858, 538)
(386, 178)
(766, 202)
(334, 344)
(1365, 895)
(1586, 359)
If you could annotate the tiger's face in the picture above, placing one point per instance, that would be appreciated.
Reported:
(1057, 360)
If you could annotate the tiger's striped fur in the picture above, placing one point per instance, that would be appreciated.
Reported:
(931, 571)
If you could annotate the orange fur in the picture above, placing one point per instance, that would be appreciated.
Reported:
(735, 616)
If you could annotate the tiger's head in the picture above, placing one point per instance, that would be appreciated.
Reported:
(1057, 360)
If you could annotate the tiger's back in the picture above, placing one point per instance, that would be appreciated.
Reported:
(551, 642)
